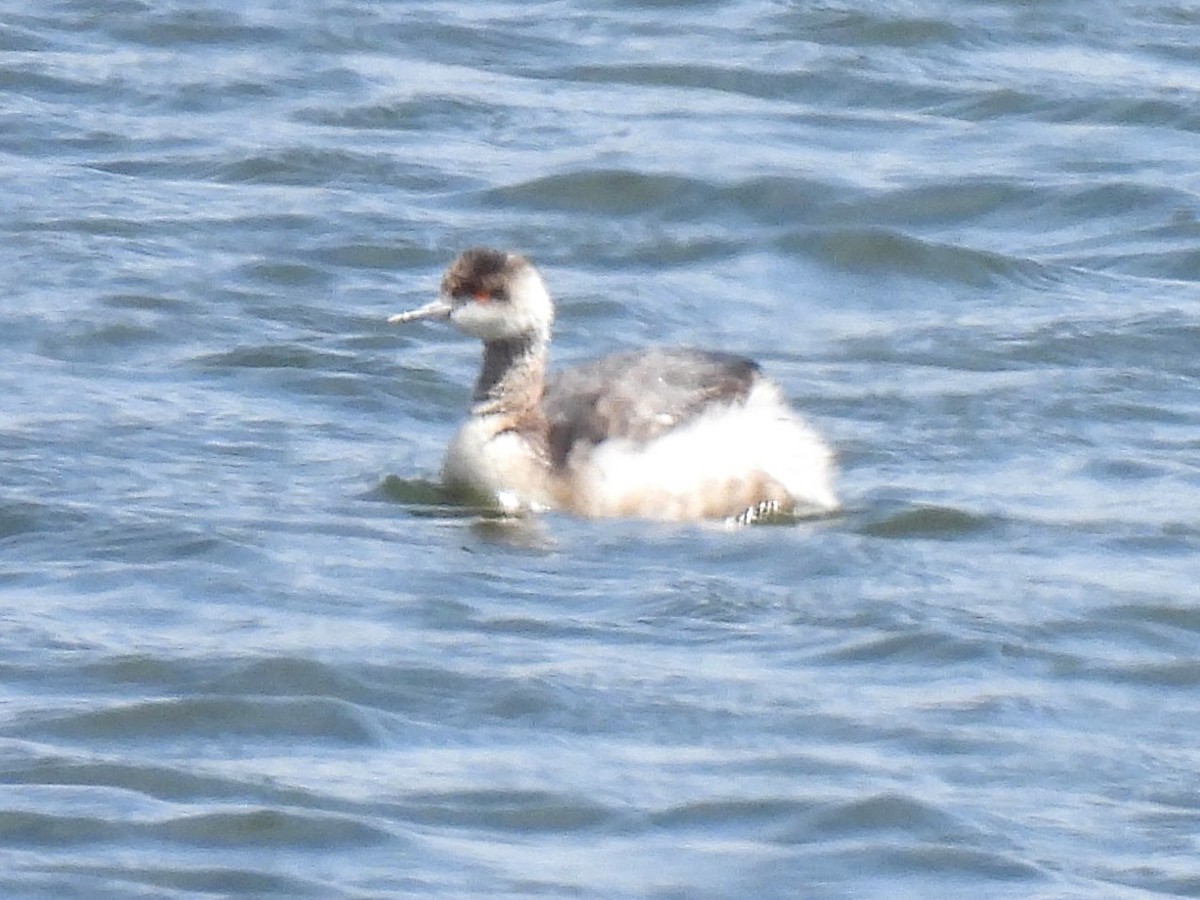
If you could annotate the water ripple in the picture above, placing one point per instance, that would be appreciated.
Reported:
(268, 828)
(881, 250)
(931, 523)
(612, 193)
(315, 719)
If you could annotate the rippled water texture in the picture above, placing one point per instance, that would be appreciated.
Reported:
(247, 647)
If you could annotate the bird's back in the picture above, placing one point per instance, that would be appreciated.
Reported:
(640, 395)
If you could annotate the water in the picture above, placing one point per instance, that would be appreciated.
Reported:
(246, 648)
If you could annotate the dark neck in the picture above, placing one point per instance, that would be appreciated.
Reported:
(513, 375)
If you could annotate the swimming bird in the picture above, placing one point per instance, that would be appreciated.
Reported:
(667, 434)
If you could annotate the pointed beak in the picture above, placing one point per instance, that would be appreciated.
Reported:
(438, 309)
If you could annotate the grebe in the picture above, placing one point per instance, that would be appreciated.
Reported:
(670, 434)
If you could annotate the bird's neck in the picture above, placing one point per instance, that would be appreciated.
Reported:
(513, 375)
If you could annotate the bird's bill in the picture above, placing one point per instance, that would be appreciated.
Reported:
(438, 309)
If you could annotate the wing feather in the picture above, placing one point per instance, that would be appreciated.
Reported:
(641, 395)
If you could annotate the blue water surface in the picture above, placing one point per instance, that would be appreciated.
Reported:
(248, 648)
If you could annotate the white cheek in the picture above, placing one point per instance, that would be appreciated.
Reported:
(494, 321)
(481, 320)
